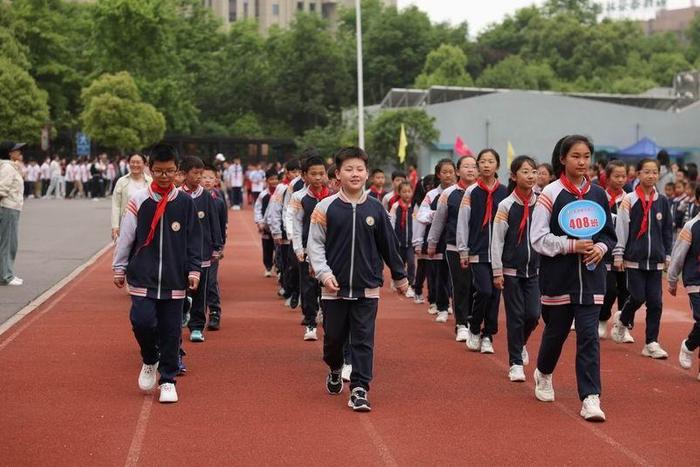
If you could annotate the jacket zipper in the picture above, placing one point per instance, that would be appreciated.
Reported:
(160, 257)
(352, 247)
(527, 237)
(649, 222)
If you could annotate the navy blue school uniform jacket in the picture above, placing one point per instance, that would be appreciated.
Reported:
(424, 221)
(352, 241)
(614, 206)
(376, 194)
(222, 214)
(161, 269)
(274, 218)
(564, 278)
(512, 253)
(209, 220)
(685, 257)
(260, 212)
(651, 250)
(473, 237)
(403, 232)
(443, 230)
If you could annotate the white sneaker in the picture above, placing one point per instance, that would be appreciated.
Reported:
(236, 208)
(288, 302)
(654, 350)
(346, 372)
(410, 293)
(573, 326)
(449, 310)
(473, 341)
(620, 333)
(544, 391)
(268, 273)
(281, 292)
(602, 329)
(486, 345)
(525, 356)
(441, 317)
(462, 333)
(685, 357)
(590, 410)
(418, 300)
(432, 310)
(148, 377)
(310, 334)
(16, 281)
(319, 317)
(516, 374)
(168, 394)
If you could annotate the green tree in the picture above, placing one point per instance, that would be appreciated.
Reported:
(116, 117)
(23, 106)
(514, 73)
(445, 66)
(665, 66)
(328, 139)
(384, 130)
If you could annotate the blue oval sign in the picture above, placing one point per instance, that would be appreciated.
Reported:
(582, 219)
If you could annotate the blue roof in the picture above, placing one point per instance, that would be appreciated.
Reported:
(646, 147)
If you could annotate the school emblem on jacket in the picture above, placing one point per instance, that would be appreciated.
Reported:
(175, 226)
(659, 216)
(370, 221)
(201, 214)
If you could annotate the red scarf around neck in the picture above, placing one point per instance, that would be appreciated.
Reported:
(271, 190)
(573, 189)
(462, 185)
(489, 200)
(525, 199)
(324, 192)
(394, 199)
(376, 191)
(614, 195)
(646, 206)
(160, 209)
(404, 213)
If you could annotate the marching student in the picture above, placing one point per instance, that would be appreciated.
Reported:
(616, 282)
(257, 181)
(515, 264)
(444, 231)
(644, 231)
(234, 181)
(348, 235)
(45, 175)
(33, 178)
(158, 257)
(397, 178)
(685, 259)
(422, 260)
(301, 207)
(545, 176)
(260, 211)
(377, 180)
(220, 215)
(292, 274)
(693, 207)
(474, 235)
(401, 217)
(191, 168)
(438, 275)
(568, 288)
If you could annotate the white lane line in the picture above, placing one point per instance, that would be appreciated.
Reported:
(132, 458)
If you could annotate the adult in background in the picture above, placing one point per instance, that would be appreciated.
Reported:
(11, 201)
(665, 173)
(125, 188)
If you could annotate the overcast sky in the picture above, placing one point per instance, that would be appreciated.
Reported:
(480, 14)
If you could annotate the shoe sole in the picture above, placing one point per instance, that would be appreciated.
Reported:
(197, 340)
(647, 354)
(332, 393)
(487, 352)
(167, 402)
(308, 339)
(359, 408)
(214, 328)
(593, 418)
(543, 398)
(517, 380)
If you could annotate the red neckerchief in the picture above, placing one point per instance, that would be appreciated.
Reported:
(573, 189)
(614, 196)
(525, 199)
(324, 192)
(271, 190)
(646, 206)
(377, 191)
(404, 212)
(462, 185)
(394, 199)
(489, 200)
(160, 209)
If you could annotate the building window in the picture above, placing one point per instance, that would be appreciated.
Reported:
(312, 7)
(245, 10)
(257, 8)
(300, 6)
(275, 9)
(232, 11)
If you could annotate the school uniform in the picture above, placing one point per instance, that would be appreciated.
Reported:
(291, 273)
(45, 176)
(389, 199)
(644, 243)
(213, 298)
(616, 281)
(513, 258)
(351, 241)
(157, 272)
(257, 183)
(474, 234)
(443, 237)
(375, 193)
(234, 180)
(210, 248)
(260, 211)
(685, 259)
(402, 219)
(275, 222)
(436, 268)
(568, 289)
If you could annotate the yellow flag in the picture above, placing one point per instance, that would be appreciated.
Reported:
(403, 143)
(511, 155)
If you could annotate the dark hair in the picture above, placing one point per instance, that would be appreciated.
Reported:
(402, 185)
(375, 172)
(671, 184)
(548, 167)
(422, 189)
(563, 147)
(210, 167)
(462, 159)
(5, 148)
(162, 153)
(191, 162)
(663, 158)
(135, 154)
(517, 163)
(648, 160)
(692, 170)
(614, 164)
(397, 174)
(601, 162)
(292, 164)
(438, 167)
(310, 152)
(492, 151)
(697, 193)
(312, 161)
(348, 153)
(271, 173)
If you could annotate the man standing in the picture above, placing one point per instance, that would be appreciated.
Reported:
(11, 201)
(235, 183)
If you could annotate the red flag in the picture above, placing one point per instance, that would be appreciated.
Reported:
(462, 149)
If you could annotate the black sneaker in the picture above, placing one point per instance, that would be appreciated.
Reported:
(214, 322)
(294, 302)
(358, 400)
(334, 383)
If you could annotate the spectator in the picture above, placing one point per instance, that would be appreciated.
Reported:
(665, 174)
(11, 201)
(126, 187)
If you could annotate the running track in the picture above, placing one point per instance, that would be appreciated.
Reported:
(255, 392)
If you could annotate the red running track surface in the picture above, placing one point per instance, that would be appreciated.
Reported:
(255, 391)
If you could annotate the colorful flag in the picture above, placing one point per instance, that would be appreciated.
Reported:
(462, 149)
(403, 143)
(510, 156)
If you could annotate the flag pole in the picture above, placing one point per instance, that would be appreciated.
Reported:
(360, 84)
